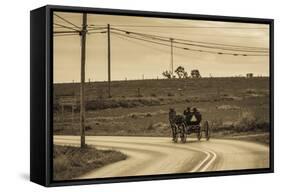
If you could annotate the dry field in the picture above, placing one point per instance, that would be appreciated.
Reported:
(233, 105)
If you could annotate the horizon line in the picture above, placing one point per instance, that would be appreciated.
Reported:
(100, 81)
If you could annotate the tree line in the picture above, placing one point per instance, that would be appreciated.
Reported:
(181, 73)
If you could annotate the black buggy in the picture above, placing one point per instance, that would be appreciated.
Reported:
(180, 129)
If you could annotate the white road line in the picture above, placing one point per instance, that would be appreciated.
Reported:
(196, 169)
(210, 158)
(210, 162)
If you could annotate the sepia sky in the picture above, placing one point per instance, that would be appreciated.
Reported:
(133, 58)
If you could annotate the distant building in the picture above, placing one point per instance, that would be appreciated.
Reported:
(249, 75)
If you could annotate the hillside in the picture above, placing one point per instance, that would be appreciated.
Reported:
(230, 104)
(164, 87)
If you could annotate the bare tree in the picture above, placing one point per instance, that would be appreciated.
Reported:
(167, 74)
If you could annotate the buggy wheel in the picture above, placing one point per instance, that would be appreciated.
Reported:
(207, 130)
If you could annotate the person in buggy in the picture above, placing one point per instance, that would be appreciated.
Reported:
(188, 115)
(196, 117)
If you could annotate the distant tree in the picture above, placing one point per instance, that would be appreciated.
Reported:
(167, 74)
(195, 73)
(181, 72)
(185, 75)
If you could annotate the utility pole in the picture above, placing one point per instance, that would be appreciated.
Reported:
(172, 57)
(82, 84)
(109, 60)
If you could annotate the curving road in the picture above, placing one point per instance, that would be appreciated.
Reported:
(158, 155)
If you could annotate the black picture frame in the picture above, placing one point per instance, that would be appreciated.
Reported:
(41, 54)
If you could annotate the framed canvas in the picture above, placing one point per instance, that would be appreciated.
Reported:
(125, 95)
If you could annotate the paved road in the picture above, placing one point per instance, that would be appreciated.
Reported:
(158, 155)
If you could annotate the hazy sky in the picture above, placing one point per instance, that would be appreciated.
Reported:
(131, 58)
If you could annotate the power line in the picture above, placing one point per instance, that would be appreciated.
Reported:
(100, 26)
(58, 35)
(222, 44)
(66, 27)
(150, 41)
(178, 39)
(189, 49)
(161, 26)
(160, 38)
(144, 44)
(57, 32)
(95, 28)
(165, 39)
(62, 33)
(203, 34)
(97, 32)
(67, 21)
(221, 48)
(128, 39)
(199, 27)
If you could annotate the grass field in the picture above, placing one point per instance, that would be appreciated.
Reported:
(232, 105)
(71, 162)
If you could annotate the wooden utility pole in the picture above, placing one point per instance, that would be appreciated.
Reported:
(82, 84)
(62, 114)
(172, 57)
(72, 118)
(109, 60)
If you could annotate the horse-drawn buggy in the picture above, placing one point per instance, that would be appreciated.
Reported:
(182, 126)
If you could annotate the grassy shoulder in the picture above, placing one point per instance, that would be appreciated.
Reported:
(247, 129)
(261, 138)
(71, 162)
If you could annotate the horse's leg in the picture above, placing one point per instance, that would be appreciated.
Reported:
(174, 130)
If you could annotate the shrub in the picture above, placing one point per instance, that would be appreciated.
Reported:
(134, 116)
(148, 115)
(171, 94)
(248, 121)
(251, 91)
(150, 126)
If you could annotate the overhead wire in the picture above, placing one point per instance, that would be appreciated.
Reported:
(146, 45)
(57, 35)
(65, 20)
(190, 49)
(157, 39)
(199, 27)
(175, 40)
(66, 27)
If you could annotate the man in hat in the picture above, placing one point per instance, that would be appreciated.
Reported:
(196, 117)
(188, 115)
